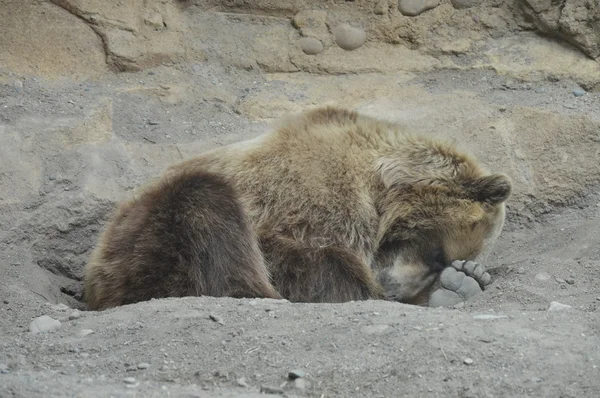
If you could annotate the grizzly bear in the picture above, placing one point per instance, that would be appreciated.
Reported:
(331, 206)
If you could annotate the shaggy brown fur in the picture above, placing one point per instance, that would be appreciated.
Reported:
(331, 206)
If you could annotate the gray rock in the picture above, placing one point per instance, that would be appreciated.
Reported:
(412, 8)
(216, 318)
(129, 380)
(559, 280)
(75, 314)
(3, 368)
(43, 324)
(460, 4)
(348, 37)
(300, 384)
(271, 390)
(143, 365)
(468, 361)
(556, 306)
(310, 45)
(84, 332)
(376, 329)
(242, 382)
(296, 374)
(489, 316)
(570, 281)
(542, 277)
(578, 93)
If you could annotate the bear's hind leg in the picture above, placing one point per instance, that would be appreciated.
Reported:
(186, 236)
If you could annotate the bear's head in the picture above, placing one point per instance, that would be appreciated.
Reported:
(436, 206)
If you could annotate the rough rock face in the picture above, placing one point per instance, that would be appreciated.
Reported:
(400, 35)
(576, 21)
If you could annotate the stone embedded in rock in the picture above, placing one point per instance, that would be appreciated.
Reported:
(311, 23)
(460, 4)
(412, 8)
(348, 37)
(310, 45)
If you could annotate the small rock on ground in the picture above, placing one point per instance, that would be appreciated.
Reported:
(578, 93)
(242, 382)
(43, 324)
(556, 306)
(349, 38)
(271, 390)
(143, 365)
(75, 314)
(412, 8)
(84, 332)
(542, 276)
(300, 384)
(468, 361)
(216, 318)
(296, 374)
(129, 380)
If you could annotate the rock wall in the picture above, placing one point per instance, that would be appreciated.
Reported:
(288, 36)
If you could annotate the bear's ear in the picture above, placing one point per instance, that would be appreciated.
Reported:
(493, 189)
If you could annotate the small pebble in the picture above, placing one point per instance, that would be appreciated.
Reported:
(296, 374)
(559, 280)
(3, 368)
(578, 93)
(349, 38)
(84, 332)
(468, 361)
(242, 382)
(570, 281)
(489, 316)
(143, 365)
(597, 298)
(271, 390)
(310, 45)
(60, 307)
(542, 276)
(74, 315)
(300, 384)
(539, 90)
(153, 123)
(129, 380)
(43, 324)
(520, 270)
(216, 318)
(556, 306)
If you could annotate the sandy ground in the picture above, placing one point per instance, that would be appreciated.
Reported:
(73, 145)
(503, 342)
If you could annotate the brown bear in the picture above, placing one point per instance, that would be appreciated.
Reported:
(331, 206)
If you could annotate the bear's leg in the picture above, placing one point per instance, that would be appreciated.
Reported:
(458, 283)
(328, 274)
(186, 236)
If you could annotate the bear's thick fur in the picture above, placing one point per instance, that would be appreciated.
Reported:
(331, 206)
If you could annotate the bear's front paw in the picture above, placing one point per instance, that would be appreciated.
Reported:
(458, 283)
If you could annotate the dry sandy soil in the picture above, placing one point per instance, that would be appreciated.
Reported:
(83, 124)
